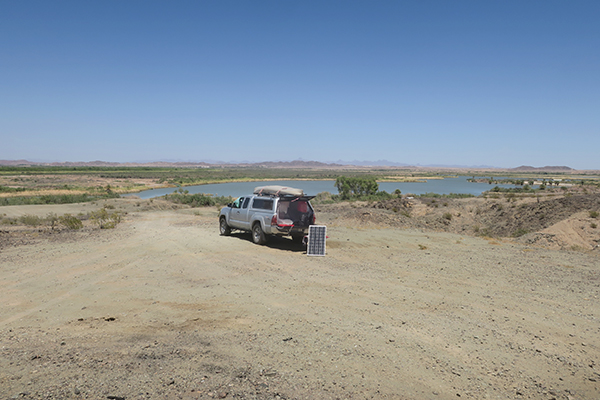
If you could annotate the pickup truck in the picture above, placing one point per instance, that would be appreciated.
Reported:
(271, 210)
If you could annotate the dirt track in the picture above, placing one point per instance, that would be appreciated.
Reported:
(164, 307)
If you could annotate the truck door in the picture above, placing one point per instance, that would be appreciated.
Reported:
(239, 216)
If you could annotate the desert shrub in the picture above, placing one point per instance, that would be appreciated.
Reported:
(52, 219)
(70, 221)
(104, 219)
(593, 214)
(32, 220)
(593, 225)
(520, 232)
(323, 198)
(447, 216)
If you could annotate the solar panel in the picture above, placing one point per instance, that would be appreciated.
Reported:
(316, 240)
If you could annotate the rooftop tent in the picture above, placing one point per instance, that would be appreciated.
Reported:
(278, 191)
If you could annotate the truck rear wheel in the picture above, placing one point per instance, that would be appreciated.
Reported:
(224, 229)
(258, 236)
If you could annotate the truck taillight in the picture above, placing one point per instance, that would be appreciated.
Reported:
(314, 219)
(274, 220)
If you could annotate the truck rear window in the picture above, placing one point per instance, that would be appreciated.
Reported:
(263, 204)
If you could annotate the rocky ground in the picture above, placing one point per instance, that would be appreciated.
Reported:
(408, 303)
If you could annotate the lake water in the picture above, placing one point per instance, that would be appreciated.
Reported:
(236, 189)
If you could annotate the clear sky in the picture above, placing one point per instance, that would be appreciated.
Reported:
(499, 83)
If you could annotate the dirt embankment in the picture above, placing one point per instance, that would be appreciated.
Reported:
(164, 307)
(566, 222)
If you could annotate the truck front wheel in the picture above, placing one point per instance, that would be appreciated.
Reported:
(224, 229)
(258, 236)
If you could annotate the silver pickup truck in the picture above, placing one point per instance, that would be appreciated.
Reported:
(271, 210)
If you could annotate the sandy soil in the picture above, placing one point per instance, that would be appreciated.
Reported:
(163, 307)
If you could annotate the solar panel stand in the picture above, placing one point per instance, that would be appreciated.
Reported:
(317, 235)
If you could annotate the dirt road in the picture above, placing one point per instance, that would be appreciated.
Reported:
(164, 307)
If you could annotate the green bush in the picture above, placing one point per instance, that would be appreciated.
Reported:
(70, 221)
(447, 216)
(356, 186)
(593, 214)
(198, 199)
(104, 219)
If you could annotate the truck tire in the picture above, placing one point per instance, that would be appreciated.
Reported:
(258, 236)
(224, 229)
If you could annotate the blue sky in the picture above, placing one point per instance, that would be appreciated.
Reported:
(502, 83)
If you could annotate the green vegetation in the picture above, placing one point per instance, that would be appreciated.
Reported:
(184, 176)
(524, 189)
(444, 196)
(53, 199)
(31, 220)
(104, 219)
(520, 232)
(198, 199)
(354, 186)
(52, 220)
(70, 221)
(593, 214)
(6, 189)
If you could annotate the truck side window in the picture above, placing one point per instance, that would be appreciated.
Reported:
(237, 203)
(246, 201)
(262, 204)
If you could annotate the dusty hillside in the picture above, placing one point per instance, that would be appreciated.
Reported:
(544, 221)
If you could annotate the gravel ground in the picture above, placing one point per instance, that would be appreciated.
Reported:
(164, 307)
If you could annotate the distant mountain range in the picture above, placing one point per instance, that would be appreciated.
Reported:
(280, 164)
(527, 168)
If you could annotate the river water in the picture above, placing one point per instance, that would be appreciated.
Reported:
(236, 189)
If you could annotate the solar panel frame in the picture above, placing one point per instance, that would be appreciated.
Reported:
(317, 235)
